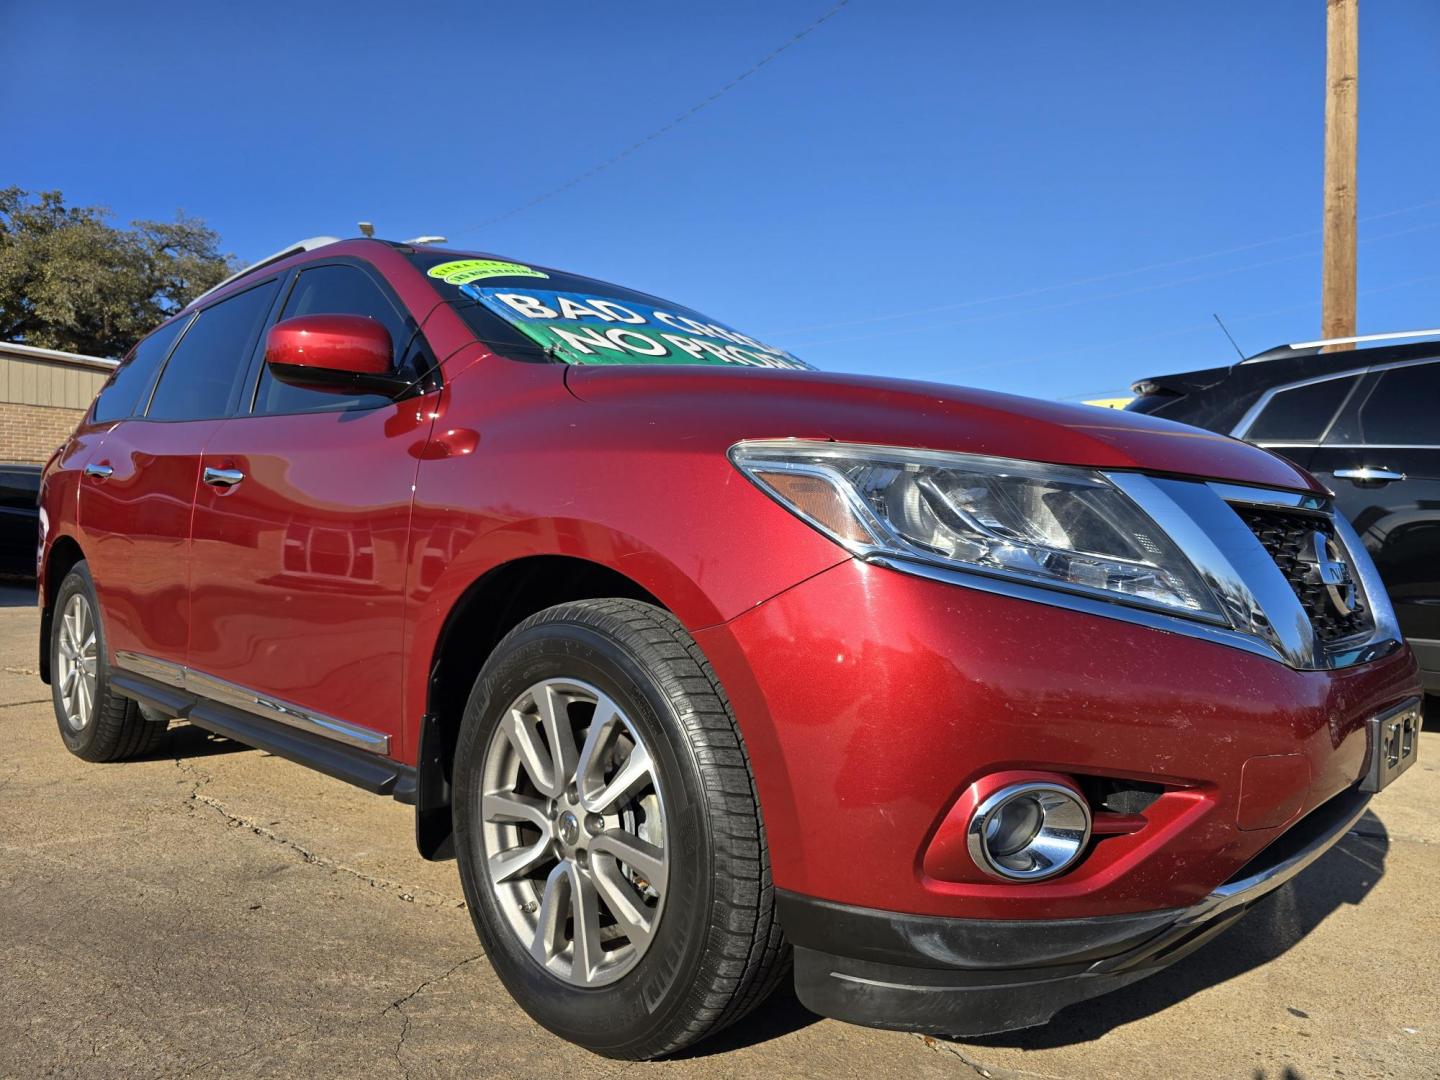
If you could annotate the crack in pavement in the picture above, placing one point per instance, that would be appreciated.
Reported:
(616, 1070)
(398, 1005)
(228, 1058)
(991, 1072)
(17, 704)
(410, 894)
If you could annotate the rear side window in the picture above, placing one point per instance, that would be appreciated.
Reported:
(1303, 413)
(1402, 410)
(19, 487)
(122, 394)
(202, 378)
(331, 290)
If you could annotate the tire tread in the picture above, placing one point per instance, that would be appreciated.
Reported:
(117, 730)
(747, 955)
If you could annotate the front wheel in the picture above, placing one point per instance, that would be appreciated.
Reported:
(96, 723)
(610, 843)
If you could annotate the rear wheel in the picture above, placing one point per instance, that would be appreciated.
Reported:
(610, 843)
(96, 723)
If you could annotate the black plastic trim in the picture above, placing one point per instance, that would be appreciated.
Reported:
(434, 830)
(888, 937)
(378, 775)
(967, 977)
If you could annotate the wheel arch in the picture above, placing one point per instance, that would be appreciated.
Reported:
(64, 553)
(484, 613)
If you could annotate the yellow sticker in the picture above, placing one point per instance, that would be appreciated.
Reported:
(464, 271)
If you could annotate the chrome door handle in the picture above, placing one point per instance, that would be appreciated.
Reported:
(99, 472)
(223, 478)
(1367, 474)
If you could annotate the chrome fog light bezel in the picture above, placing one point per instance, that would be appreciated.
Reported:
(1057, 843)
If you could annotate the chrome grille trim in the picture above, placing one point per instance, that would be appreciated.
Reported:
(1285, 534)
(1265, 616)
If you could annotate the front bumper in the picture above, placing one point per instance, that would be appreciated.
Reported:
(968, 977)
(871, 702)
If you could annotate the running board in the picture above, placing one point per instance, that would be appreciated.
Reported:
(373, 773)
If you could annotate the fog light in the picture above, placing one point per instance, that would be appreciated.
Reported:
(1029, 831)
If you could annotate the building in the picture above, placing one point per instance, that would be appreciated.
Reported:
(43, 394)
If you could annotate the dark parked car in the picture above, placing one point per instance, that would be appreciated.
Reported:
(19, 519)
(1366, 421)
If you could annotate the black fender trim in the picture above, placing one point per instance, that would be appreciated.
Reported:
(434, 826)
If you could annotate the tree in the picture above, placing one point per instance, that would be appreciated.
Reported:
(71, 281)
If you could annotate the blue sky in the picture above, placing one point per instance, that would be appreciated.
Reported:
(1047, 198)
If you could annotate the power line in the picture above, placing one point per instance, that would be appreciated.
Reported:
(1085, 300)
(1182, 331)
(1093, 280)
(662, 130)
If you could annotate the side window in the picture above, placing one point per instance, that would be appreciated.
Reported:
(1401, 410)
(204, 373)
(331, 290)
(120, 396)
(1303, 413)
(19, 487)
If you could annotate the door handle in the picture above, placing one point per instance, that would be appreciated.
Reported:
(99, 472)
(222, 478)
(1367, 474)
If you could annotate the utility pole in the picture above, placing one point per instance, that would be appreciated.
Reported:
(1337, 285)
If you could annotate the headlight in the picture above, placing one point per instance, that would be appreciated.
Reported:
(1054, 525)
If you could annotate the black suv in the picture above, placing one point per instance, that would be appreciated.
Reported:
(1366, 421)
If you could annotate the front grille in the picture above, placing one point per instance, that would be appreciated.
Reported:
(1287, 536)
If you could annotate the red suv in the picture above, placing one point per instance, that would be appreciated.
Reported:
(700, 660)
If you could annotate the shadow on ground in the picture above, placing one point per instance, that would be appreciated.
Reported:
(780, 1014)
(187, 741)
(1343, 876)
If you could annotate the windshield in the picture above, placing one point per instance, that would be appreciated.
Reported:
(529, 313)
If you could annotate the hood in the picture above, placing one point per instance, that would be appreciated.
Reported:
(730, 404)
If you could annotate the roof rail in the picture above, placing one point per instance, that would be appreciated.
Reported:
(308, 244)
(1281, 350)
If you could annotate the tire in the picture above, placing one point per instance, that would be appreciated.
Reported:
(108, 727)
(703, 945)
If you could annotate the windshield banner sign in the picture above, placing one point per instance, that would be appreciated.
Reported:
(580, 328)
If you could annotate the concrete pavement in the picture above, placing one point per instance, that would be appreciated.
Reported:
(214, 911)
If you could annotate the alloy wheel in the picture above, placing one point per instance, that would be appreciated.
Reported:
(78, 653)
(574, 827)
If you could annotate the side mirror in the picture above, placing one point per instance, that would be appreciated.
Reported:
(340, 354)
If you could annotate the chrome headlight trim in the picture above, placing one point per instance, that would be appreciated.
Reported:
(1262, 614)
(1167, 580)
(1287, 638)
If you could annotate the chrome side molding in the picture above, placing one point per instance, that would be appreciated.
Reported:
(1249, 889)
(263, 705)
(1344, 815)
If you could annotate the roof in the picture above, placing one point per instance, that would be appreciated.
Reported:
(1219, 398)
(55, 356)
(1317, 356)
(1310, 348)
(310, 243)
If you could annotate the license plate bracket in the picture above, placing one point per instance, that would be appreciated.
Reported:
(1394, 744)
